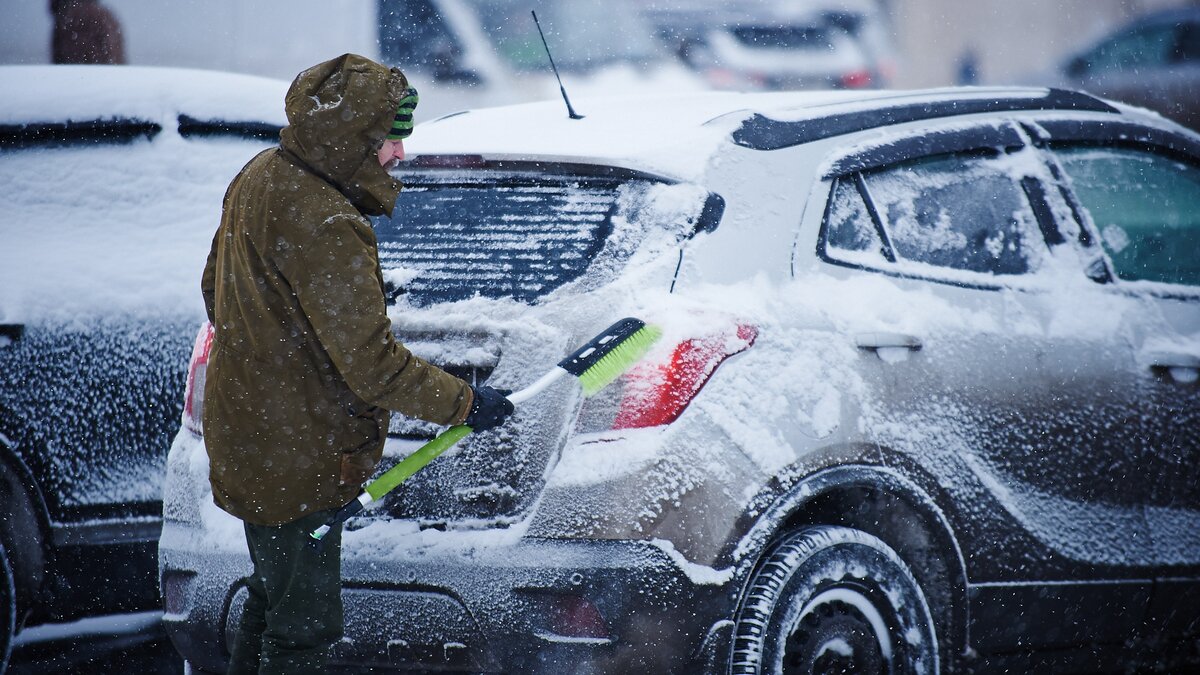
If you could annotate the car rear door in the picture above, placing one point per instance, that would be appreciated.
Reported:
(1139, 191)
(995, 384)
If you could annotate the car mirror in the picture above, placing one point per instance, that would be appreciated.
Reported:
(710, 215)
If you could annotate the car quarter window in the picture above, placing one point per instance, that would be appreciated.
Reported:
(963, 211)
(1146, 207)
(849, 229)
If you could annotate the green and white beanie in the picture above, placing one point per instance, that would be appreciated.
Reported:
(402, 125)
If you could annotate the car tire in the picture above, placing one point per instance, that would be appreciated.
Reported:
(833, 600)
(8, 609)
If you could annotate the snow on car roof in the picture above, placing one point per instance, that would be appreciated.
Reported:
(51, 94)
(674, 135)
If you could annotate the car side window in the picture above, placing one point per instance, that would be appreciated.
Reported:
(1146, 207)
(965, 212)
(1151, 46)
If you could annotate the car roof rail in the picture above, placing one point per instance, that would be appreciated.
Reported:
(190, 127)
(74, 132)
(760, 132)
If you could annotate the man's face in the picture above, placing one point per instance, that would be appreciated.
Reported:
(390, 152)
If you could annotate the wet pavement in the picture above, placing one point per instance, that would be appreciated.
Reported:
(125, 644)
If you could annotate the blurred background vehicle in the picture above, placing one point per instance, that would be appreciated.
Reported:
(780, 46)
(478, 53)
(1152, 61)
(113, 181)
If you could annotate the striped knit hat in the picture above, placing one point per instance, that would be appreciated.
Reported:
(402, 126)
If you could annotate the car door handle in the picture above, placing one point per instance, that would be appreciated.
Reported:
(883, 340)
(10, 333)
(1182, 367)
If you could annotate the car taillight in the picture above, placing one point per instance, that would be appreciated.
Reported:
(574, 616)
(193, 396)
(657, 393)
(857, 79)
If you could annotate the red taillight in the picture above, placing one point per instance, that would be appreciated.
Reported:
(857, 79)
(656, 394)
(574, 616)
(193, 396)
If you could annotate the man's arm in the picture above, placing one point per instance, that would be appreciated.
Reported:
(335, 279)
(208, 282)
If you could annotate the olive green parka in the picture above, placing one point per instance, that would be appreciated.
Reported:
(304, 366)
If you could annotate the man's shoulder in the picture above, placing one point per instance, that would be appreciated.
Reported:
(297, 199)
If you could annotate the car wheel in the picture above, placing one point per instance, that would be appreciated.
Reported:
(8, 609)
(833, 600)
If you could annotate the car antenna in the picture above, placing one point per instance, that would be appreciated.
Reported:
(570, 111)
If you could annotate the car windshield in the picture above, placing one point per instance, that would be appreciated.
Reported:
(581, 35)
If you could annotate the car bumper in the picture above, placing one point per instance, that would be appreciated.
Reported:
(460, 602)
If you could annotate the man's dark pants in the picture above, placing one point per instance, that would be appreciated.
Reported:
(293, 614)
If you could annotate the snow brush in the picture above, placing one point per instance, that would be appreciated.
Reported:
(596, 364)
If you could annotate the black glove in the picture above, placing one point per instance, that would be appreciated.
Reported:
(489, 409)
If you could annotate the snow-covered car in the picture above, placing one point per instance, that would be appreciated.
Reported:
(113, 179)
(926, 398)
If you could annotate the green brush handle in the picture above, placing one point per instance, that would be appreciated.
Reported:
(416, 461)
(392, 477)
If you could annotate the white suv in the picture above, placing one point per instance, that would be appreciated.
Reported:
(926, 399)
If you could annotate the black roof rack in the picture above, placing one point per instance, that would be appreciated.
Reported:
(71, 132)
(190, 126)
(760, 132)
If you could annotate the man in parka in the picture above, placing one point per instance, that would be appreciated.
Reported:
(304, 365)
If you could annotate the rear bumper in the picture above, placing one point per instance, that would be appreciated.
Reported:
(457, 604)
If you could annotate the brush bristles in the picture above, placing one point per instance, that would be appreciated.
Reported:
(620, 359)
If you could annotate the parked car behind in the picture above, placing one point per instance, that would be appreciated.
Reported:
(756, 46)
(113, 178)
(477, 53)
(927, 397)
(1153, 61)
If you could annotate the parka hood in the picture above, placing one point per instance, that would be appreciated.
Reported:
(339, 113)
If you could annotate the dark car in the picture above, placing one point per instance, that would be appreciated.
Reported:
(926, 399)
(1154, 62)
(113, 179)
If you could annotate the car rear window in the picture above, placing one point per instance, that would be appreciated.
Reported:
(784, 37)
(498, 236)
(1146, 207)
